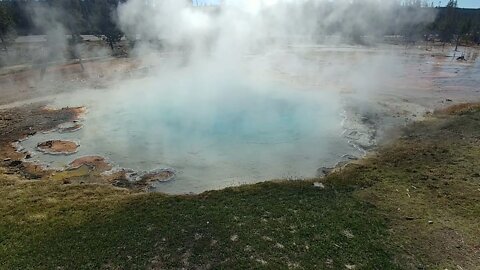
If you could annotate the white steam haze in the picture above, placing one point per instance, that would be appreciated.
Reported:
(238, 26)
(238, 93)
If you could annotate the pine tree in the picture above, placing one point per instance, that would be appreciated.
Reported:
(6, 25)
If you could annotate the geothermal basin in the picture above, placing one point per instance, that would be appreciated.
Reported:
(220, 127)
(227, 136)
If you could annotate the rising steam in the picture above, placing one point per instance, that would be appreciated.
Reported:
(238, 26)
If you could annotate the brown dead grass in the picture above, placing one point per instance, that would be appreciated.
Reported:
(459, 109)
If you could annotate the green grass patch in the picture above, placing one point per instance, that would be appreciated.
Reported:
(269, 225)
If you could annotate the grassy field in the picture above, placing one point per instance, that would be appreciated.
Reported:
(413, 205)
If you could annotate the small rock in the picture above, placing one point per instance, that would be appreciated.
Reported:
(261, 261)
(348, 234)
(28, 156)
(430, 222)
(15, 163)
(266, 238)
(449, 100)
(7, 159)
(350, 266)
(158, 175)
(409, 218)
(234, 238)
(319, 185)
(349, 157)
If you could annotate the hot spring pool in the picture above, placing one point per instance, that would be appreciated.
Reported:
(214, 133)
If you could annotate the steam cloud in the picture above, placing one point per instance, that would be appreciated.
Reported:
(238, 26)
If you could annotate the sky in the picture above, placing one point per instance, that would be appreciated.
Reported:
(461, 3)
(468, 3)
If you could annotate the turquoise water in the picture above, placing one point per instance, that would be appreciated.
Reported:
(213, 134)
(216, 129)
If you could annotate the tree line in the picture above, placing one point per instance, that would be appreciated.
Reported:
(456, 25)
(76, 17)
(98, 17)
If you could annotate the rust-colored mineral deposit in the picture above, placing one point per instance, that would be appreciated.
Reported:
(58, 147)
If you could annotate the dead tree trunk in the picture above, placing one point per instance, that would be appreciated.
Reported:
(45, 60)
(4, 44)
(457, 40)
(74, 52)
